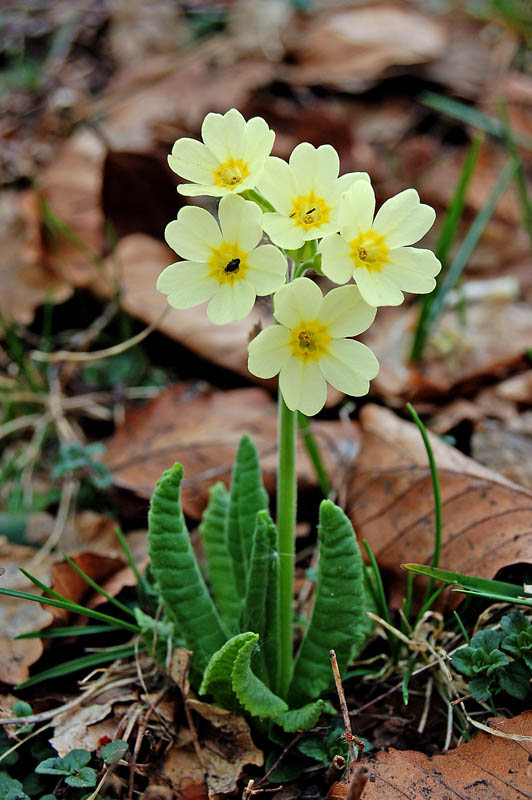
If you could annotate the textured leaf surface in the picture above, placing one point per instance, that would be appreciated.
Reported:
(338, 611)
(254, 617)
(217, 679)
(247, 498)
(250, 690)
(302, 719)
(177, 573)
(219, 568)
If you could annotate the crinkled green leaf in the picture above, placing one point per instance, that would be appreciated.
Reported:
(177, 573)
(487, 640)
(480, 688)
(339, 607)
(213, 530)
(217, 678)
(114, 751)
(85, 778)
(247, 498)
(302, 719)
(67, 765)
(515, 680)
(255, 612)
(229, 678)
(10, 788)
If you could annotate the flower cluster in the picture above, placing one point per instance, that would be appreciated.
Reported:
(321, 221)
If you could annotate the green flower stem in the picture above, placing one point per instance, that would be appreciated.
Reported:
(256, 197)
(286, 523)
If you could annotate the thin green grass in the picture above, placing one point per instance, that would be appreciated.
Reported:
(70, 630)
(90, 660)
(498, 591)
(509, 139)
(446, 239)
(314, 454)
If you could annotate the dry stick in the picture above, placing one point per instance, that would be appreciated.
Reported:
(68, 355)
(348, 733)
(274, 766)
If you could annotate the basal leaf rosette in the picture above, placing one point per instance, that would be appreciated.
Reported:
(306, 192)
(375, 252)
(223, 263)
(309, 346)
(229, 160)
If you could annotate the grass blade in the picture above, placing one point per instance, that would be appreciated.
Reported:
(520, 177)
(99, 589)
(466, 581)
(445, 241)
(74, 608)
(311, 446)
(90, 660)
(470, 116)
(70, 630)
(469, 242)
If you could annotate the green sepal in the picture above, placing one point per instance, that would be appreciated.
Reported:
(177, 573)
(255, 612)
(228, 677)
(219, 568)
(302, 719)
(247, 498)
(339, 608)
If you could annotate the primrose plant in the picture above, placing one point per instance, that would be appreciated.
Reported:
(242, 635)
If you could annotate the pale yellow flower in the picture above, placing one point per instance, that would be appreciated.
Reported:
(223, 266)
(374, 252)
(231, 159)
(309, 347)
(305, 193)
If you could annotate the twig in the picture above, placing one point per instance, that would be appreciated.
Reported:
(348, 733)
(69, 355)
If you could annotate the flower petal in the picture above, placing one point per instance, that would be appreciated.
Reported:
(278, 185)
(349, 366)
(240, 221)
(303, 386)
(300, 300)
(257, 142)
(269, 351)
(345, 182)
(403, 219)
(314, 169)
(266, 269)
(282, 230)
(376, 288)
(197, 189)
(231, 302)
(187, 284)
(412, 269)
(223, 134)
(356, 210)
(193, 234)
(345, 312)
(336, 262)
(192, 160)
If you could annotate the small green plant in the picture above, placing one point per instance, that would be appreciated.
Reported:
(78, 459)
(486, 663)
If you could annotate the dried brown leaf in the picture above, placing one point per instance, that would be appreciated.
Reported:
(66, 581)
(487, 520)
(25, 280)
(20, 616)
(487, 767)
(201, 430)
(351, 48)
(226, 747)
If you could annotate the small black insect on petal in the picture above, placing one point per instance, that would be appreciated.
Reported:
(233, 266)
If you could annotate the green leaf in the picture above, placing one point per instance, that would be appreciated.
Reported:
(219, 568)
(252, 693)
(515, 680)
(157, 635)
(302, 719)
(90, 660)
(480, 688)
(338, 608)
(177, 574)
(114, 751)
(466, 581)
(254, 615)
(272, 635)
(85, 778)
(247, 498)
(228, 677)
(68, 765)
(11, 789)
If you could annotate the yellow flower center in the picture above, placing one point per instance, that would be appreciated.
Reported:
(309, 340)
(369, 250)
(231, 173)
(310, 211)
(228, 263)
